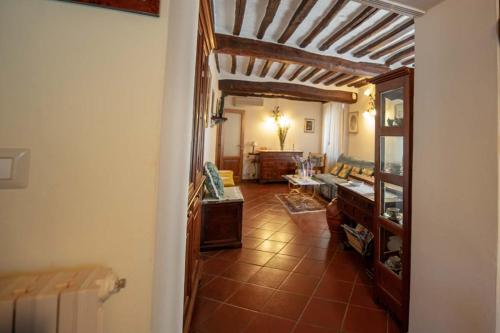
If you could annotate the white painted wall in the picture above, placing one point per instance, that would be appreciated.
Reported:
(362, 144)
(82, 87)
(455, 169)
(256, 127)
(176, 134)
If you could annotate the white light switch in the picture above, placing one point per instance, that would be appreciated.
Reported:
(6, 168)
(14, 168)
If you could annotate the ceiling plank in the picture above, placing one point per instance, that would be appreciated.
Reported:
(282, 69)
(265, 68)
(324, 76)
(408, 52)
(309, 75)
(323, 23)
(336, 78)
(272, 7)
(408, 62)
(239, 14)
(251, 63)
(271, 51)
(300, 14)
(299, 70)
(384, 39)
(285, 90)
(381, 24)
(347, 81)
(217, 65)
(364, 15)
(359, 84)
(393, 47)
(233, 64)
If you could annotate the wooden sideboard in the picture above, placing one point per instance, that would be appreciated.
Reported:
(355, 206)
(273, 164)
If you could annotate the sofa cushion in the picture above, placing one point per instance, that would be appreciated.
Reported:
(213, 183)
(367, 172)
(336, 168)
(346, 170)
(356, 170)
(227, 178)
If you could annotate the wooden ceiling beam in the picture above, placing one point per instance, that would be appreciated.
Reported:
(309, 75)
(324, 22)
(381, 24)
(407, 41)
(384, 39)
(251, 63)
(408, 62)
(272, 7)
(233, 64)
(299, 15)
(324, 76)
(408, 52)
(265, 68)
(217, 64)
(359, 84)
(364, 15)
(285, 90)
(280, 72)
(299, 70)
(335, 79)
(281, 53)
(346, 81)
(239, 14)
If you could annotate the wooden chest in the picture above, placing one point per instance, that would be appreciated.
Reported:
(274, 164)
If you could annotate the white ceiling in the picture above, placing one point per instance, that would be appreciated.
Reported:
(419, 4)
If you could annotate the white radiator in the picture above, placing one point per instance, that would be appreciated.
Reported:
(57, 302)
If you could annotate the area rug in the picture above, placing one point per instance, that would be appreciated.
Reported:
(301, 203)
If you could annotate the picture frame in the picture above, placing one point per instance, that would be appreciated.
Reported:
(353, 122)
(146, 7)
(309, 125)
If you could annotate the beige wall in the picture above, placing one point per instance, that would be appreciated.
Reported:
(255, 127)
(362, 144)
(81, 87)
(455, 169)
(211, 132)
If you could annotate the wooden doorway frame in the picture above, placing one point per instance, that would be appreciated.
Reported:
(219, 149)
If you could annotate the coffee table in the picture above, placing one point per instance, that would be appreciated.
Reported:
(299, 184)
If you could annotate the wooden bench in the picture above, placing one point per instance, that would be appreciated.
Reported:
(221, 221)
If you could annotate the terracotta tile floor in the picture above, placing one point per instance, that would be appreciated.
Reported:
(290, 276)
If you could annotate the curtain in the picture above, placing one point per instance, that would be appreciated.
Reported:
(335, 135)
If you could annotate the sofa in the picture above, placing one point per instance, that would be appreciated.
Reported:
(329, 189)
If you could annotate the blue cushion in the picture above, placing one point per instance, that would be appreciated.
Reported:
(213, 183)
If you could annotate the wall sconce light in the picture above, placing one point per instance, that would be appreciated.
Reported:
(371, 111)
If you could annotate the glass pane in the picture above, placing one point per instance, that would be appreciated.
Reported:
(391, 154)
(391, 248)
(392, 202)
(392, 108)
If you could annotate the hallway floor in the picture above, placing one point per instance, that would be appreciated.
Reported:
(290, 276)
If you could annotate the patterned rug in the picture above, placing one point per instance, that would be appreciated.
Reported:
(301, 203)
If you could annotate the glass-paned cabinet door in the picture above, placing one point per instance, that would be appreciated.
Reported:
(392, 107)
(391, 154)
(390, 252)
(391, 202)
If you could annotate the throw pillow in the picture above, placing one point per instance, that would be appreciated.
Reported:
(367, 172)
(356, 170)
(213, 183)
(227, 178)
(336, 168)
(346, 170)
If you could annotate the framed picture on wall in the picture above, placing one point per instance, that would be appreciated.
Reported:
(309, 125)
(353, 121)
(148, 7)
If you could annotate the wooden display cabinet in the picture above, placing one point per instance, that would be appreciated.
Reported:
(393, 161)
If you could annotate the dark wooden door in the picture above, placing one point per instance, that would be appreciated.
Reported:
(231, 143)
